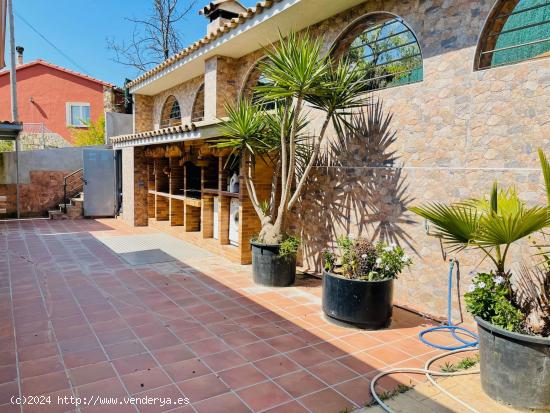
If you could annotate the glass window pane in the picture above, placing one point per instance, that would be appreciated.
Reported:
(85, 114)
(75, 115)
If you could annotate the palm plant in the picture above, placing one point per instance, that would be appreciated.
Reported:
(298, 76)
(490, 224)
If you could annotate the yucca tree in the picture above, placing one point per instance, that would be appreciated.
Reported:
(491, 224)
(299, 77)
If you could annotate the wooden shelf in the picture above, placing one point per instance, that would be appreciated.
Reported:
(193, 202)
(230, 194)
(165, 194)
(211, 191)
(188, 200)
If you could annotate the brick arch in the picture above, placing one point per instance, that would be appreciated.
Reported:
(251, 79)
(362, 24)
(197, 111)
(496, 20)
(170, 114)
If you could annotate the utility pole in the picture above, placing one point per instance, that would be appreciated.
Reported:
(14, 111)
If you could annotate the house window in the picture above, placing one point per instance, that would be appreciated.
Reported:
(516, 30)
(384, 48)
(78, 114)
(171, 114)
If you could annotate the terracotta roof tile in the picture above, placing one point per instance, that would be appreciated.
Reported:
(62, 69)
(159, 132)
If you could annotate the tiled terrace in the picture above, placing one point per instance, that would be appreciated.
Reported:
(76, 319)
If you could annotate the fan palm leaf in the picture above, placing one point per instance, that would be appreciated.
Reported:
(455, 224)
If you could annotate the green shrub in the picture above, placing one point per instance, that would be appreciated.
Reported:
(360, 259)
(488, 299)
(289, 247)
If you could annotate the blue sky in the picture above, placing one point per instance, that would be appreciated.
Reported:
(80, 28)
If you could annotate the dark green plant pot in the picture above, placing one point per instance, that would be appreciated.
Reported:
(515, 368)
(270, 269)
(363, 304)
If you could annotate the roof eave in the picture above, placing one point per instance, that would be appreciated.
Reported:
(199, 131)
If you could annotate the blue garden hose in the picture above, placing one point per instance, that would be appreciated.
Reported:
(449, 326)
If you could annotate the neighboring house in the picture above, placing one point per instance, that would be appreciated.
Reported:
(52, 100)
(466, 87)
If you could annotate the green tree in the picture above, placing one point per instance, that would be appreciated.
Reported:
(298, 76)
(387, 54)
(6, 146)
(93, 134)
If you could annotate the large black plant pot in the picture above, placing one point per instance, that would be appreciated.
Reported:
(270, 269)
(515, 368)
(363, 304)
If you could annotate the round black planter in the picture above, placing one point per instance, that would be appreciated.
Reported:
(515, 368)
(363, 304)
(270, 269)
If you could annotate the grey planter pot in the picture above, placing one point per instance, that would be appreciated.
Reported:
(269, 269)
(515, 368)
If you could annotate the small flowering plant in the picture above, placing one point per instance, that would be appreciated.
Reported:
(361, 260)
(487, 298)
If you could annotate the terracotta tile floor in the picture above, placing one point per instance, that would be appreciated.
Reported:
(77, 320)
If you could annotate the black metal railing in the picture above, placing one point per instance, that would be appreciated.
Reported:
(72, 185)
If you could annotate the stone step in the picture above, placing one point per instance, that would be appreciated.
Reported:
(56, 214)
(74, 212)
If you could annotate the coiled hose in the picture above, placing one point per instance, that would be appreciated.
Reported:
(465, 345)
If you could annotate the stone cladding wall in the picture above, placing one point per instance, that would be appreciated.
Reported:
(445, 138)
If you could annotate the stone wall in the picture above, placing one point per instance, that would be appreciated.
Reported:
(41, 176)
(134, 186)
(184, 93)
(450, 136)
(447, 138)
(144, 112)
(32, 141)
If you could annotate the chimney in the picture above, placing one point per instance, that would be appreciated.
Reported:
(20, 50)
(219, 12)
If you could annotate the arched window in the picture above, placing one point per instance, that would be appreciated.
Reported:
(197, 113)
(385, 49)
(254, 79)
(516, 30)
(171, 114)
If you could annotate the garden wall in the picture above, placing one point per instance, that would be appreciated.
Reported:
(448, 138)
(41, 176)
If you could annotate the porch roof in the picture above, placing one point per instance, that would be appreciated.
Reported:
(180, 133)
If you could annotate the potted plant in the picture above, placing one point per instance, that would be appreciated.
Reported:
(358, 288)
(299, 78)
(512, 310)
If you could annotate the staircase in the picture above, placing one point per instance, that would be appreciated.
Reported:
(73, 209)
(73, 198)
